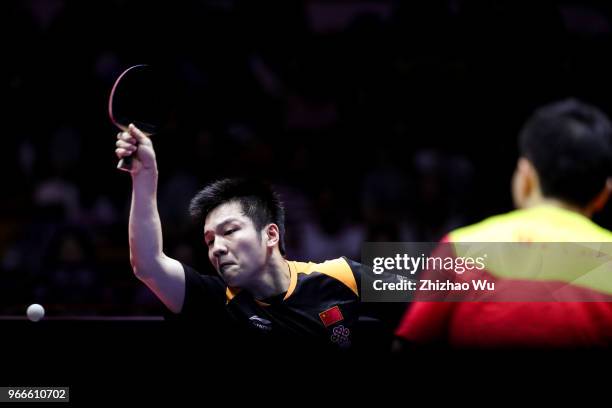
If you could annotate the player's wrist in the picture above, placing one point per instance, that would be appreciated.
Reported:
(148, 172)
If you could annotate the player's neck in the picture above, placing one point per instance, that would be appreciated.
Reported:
(273, 280)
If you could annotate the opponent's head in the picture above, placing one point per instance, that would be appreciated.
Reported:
(244, 225)
(565, 154)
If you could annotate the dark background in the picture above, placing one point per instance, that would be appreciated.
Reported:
(382, 121)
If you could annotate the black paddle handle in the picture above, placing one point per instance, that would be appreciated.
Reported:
(125, 163)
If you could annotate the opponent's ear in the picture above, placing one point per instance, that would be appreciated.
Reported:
(525, 182)
(602, 198)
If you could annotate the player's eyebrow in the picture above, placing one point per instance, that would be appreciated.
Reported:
(222, 224)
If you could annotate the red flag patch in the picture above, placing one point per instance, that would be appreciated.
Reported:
(331, 316)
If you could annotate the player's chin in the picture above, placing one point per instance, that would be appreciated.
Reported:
(231, 275)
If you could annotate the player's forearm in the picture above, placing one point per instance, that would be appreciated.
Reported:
(145, 231)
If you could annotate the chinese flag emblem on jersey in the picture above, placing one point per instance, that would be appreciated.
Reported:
(331, 316)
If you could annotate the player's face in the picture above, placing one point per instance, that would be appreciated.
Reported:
(235, 247)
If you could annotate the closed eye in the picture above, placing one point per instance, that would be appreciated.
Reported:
(230, 231)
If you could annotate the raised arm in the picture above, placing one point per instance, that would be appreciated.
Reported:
(163, 275)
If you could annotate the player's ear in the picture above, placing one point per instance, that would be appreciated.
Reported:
(272, 235)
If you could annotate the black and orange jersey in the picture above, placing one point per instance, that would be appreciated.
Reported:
(322, 302)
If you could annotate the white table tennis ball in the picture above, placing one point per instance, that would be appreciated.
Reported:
(35, 312)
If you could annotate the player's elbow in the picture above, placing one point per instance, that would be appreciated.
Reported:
(142, 270)
(137, 268)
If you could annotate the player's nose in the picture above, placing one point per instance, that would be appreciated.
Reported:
(219, 248)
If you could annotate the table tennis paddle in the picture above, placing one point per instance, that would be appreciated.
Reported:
(138, 97)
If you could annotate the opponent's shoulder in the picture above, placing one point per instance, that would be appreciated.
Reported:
(542, 223)
(499, 227)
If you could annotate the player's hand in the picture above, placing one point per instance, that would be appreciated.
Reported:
(135, 143)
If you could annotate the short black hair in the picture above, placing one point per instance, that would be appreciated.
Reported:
(570, 145)
(259, 202)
